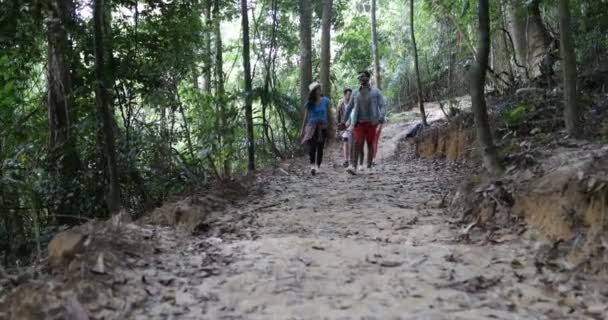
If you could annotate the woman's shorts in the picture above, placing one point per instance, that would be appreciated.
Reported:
(347, 135)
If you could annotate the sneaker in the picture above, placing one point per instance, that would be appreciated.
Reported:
(313, 170)
(361, 168)
(345, 163)
(318, 168)
(351, 170)
(371, 170)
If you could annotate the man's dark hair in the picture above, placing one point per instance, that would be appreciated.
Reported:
(347, 90)
(366, 73)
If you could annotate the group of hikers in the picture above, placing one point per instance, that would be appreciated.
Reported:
(361, 114)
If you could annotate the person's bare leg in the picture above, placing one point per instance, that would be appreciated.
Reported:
(370, 154)
(346, 149)
(358, 153)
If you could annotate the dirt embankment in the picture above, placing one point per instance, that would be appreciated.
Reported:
(450, 142)
(555, 186)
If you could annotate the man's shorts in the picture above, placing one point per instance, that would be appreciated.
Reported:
(365, 132)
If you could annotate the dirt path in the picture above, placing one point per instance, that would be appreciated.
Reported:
(372, 246)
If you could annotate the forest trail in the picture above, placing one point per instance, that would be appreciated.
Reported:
(371, 246)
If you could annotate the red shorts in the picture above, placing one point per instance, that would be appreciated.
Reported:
(365, 132)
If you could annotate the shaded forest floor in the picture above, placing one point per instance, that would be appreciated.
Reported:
(372, 246)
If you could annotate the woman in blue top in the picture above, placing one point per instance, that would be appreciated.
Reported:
(317, 120)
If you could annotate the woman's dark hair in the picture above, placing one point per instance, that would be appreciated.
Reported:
(348, 90)
(312, 96)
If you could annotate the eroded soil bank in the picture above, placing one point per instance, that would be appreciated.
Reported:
(373, 246)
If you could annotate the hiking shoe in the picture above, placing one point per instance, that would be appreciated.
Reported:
(313, 170)
(351, 170)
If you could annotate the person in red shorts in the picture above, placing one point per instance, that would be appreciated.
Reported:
(368, 108)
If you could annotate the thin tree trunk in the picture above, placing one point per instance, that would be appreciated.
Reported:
(416, 65)
(477, 77)
(325, 47)
(219, 87)
(269, 97)
(185, 124)
(571, 110)
(63, 158)
(305, 10)
(102, 84)
(450, 67)
(375, 50)
(248, 89)
(207, 61)
(195, 76)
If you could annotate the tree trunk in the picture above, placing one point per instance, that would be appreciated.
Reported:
(305, 49)
(477, 78)
(501, 57)
(195, 76)
(102, 98)
(269, 67)
(220, 92)
(207, 60)
(185, 121)
(450, 66)
(248, 89)
(417, 67)
(375, 46)
(530, 36)
(63, 158)
(325, 47)
(571, 110)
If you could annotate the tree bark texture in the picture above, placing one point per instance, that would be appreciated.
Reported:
(325, 47)
(417, 66)
(305, 10)
(207, 69)
(375, 50)
(571, 110)
(530, 36)
(63, 158)
(477, 78)
(220, 91)
(102, 98)
(248, 88)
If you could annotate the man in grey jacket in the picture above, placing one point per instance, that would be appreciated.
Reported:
(368, 108)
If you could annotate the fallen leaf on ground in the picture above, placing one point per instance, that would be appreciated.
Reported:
(390, 264)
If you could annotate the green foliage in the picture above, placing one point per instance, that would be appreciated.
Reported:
(516, 115)
(354, 41)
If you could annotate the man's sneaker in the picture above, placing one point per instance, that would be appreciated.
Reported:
(351, 170)
(313, 170)
(371, 170)
(345, 164)
(361, 168)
